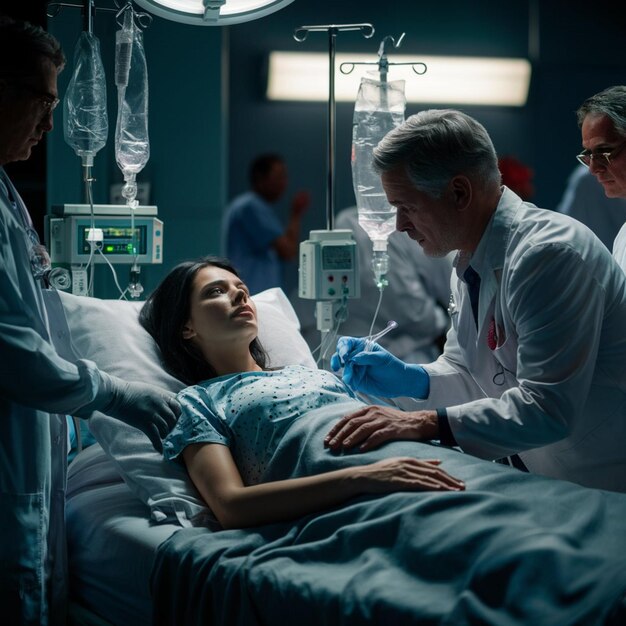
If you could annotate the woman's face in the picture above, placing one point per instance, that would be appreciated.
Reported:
(221, 312)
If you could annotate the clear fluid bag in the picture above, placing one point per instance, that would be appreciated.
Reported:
(132, 145)
(379, 108)
(85, 122)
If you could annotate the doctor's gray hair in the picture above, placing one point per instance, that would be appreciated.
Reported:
(610, 102)
(23, 45)
(435, 146)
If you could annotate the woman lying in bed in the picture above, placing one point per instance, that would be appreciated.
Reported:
(237, 411)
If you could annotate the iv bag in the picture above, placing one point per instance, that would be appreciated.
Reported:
(85, 123)
(132, 147)
(379, 108)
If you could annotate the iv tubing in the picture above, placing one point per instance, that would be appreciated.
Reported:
(372, 339)
(92, 244)
(380, 299)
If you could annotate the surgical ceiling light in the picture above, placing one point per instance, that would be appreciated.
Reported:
(303, 76)
(212, 12)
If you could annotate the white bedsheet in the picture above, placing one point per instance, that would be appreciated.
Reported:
(111, 541)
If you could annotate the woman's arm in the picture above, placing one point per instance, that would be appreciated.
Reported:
(215, 475)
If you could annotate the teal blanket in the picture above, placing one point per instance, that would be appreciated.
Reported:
(512, 549)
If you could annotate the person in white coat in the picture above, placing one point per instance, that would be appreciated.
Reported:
(37, 386)
(535, 361)
(602, 121)
(584, 199)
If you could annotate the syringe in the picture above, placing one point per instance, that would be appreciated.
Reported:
(369, 342)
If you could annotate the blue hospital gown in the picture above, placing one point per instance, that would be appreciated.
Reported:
(249, 412)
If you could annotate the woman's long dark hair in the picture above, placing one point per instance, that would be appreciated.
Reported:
(166, 312)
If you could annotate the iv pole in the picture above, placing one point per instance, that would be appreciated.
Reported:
(331, 307)
(383, 62)
(300, 34)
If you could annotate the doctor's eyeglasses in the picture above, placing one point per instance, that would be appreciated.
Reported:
(47, 102)
(600, 158)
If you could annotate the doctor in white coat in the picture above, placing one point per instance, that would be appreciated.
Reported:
(535, 361)
(584, 199)
(35, 382)
(602, 120)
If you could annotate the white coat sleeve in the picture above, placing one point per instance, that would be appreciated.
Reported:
(450, 381)
(557, 307)
(619, 248)
(31, 371)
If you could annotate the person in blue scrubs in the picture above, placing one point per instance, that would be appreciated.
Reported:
(38, 387)
(253, 237)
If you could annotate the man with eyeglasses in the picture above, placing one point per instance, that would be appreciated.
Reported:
(37, 386)
(602, 120)
(584, 199)
(534, 364)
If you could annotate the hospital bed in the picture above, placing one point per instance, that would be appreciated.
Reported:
(512, 549)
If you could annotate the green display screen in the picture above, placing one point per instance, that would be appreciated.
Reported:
(336, 258)
(115, 240)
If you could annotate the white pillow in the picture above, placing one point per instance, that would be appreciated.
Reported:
(108, 332)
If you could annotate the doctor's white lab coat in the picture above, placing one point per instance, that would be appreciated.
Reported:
(33, 443)
(619, 248)
(544, 374)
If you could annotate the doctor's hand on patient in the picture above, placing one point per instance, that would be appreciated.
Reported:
(377, 372)
(150, 409)
(372, 426)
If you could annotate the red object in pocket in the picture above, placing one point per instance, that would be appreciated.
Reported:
(492, 340)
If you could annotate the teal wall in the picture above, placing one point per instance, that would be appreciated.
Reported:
(187, 127)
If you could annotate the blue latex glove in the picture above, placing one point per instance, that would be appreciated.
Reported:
(378, 372)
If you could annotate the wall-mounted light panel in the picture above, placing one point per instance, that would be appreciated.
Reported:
(448, 80)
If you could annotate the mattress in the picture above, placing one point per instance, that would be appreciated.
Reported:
(111, 542)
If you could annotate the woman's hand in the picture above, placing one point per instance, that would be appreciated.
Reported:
(405, 474)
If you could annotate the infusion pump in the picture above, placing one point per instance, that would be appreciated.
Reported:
(328, 266)
(329, 274)
(71, 232)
